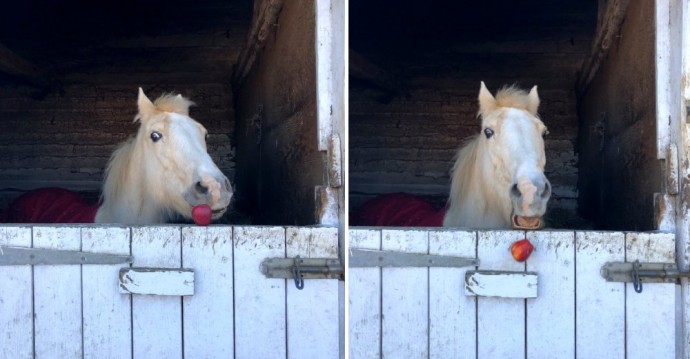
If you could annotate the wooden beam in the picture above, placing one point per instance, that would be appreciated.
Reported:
(363, 69)
(15, 65)
(263, 24)
(610, 16)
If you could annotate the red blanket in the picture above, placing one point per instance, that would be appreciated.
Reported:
(50, 205)
(398, 210)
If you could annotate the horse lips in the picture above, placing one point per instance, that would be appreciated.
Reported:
(201, 214)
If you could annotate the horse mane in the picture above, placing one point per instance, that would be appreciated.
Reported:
(117, 170)
(465, 174)
(512, 96)
(119, 165)
(465, 159)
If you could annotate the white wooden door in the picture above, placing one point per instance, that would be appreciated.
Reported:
(75, 311)
(424, 312)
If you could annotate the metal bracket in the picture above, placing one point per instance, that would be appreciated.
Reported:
(363, 258)
(638, 273)
(10, 256)
(302, 268)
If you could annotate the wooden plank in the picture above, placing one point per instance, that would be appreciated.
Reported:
(452, 315)
(554, 259)
(493, 251)
(501, 284)
(106, 313)
(15, 65)
(259, 302)
(156, 281)
(208, 315)
(680, 25)
(16, 308)
(57, 297)
(405, 301)
(316, 305)
(650, 316)
(364, 298)
(600, 316)
(156, 320)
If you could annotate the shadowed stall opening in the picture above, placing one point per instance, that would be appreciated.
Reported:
(413, 101)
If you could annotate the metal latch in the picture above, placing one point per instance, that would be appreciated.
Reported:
(300, 269)
(638, 273)
(10, 256)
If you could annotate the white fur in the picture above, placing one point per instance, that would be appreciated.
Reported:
(152, 182)
(486, 168)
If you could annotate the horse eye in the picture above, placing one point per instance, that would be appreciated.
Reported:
(488, 132)
(156, 136)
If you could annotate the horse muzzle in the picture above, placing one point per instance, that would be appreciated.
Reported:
(529, 198)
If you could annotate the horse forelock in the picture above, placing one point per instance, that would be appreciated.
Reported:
(512, 96)
(173, 103)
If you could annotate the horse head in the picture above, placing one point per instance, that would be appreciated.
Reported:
(165, 169)
(500, 174)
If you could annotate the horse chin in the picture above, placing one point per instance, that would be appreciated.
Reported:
(527, 223)
(218, 213)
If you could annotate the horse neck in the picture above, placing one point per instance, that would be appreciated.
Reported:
(477, 198)
(125, 198)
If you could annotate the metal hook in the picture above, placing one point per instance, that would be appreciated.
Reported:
(637, 284)
(297, 274)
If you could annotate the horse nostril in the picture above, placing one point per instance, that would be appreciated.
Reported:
(547, 190)
(515, 191)
(200, 188)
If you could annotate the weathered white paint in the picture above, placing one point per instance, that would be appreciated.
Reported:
(554, 259)
(647, 329)
(664, 44)
(680, 22)
(452, 315)
(156, 319)
(208, 315)
(235, 311)
(312, 242)
(541, 327)
(501, 284)
(106, 329)
(260, 328)
(157, 281)
(600, 305)
(331, 103)
(16, 312)
(493, 251)
(59, 301)
(405, 301)
(364, 298)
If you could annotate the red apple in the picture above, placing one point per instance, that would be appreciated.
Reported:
(202, 214)
(521, 250)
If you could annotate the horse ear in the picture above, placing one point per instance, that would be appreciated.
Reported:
(533, 100)
(146, 107)
(487, 102)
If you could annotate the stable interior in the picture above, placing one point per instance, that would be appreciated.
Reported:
(70, 72)
(415, 72)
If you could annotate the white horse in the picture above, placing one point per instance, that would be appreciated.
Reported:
(498, 177)
(164, 171)
(155, 177)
